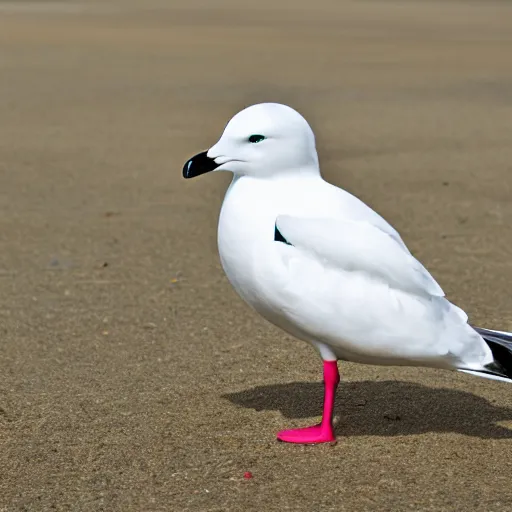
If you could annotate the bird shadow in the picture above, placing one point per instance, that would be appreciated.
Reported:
(384, 408)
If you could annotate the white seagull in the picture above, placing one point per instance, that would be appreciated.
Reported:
(326, 268)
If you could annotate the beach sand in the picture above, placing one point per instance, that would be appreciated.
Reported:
(132, 378)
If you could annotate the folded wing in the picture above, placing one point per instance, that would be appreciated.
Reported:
(356, 246)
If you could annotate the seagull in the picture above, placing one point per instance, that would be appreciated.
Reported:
(323, 266)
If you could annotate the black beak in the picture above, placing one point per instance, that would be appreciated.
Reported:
(199, 164)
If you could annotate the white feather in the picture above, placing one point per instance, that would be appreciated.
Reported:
(348, 284)
(359, 247)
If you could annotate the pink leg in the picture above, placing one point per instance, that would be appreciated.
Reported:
(324, 431)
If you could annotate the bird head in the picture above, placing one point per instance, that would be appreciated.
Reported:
(263, 140)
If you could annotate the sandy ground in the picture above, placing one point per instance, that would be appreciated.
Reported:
(132, 378)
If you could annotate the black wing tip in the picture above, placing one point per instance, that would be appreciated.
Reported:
(503, 336)
(501, 348)
(278, 237)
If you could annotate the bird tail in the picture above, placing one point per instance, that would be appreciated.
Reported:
(500, 343)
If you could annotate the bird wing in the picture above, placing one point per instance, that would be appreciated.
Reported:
(359, 246)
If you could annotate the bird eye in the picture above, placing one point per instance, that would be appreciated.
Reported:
(254, 139)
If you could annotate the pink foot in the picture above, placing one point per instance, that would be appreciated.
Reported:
(323, 432)
(308, 435)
